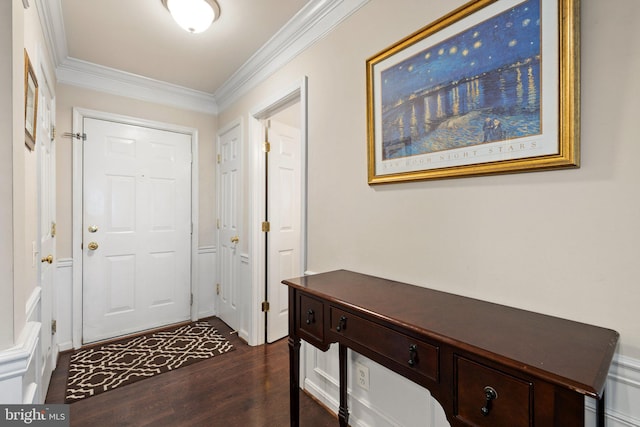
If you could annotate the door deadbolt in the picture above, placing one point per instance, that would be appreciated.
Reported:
(92, 246)
(93, 228)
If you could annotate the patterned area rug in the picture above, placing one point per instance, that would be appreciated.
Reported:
(96, 370)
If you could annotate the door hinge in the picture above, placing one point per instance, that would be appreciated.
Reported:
(54, 327)
(218, 223)
(53, 133)
(191, 299)
(266, 226)
(219, 159)
(265, 306)
(53, 229)
(217, 288)
(191, 228)
(267, 147)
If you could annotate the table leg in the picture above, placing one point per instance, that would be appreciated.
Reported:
(600, 411)
(343, 413)
(294, 380)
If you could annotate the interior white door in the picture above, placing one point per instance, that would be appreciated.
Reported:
(136, 228)
(284, 211)
(229, 217)
(46, 231)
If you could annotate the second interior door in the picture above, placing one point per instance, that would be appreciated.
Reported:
(284, 211)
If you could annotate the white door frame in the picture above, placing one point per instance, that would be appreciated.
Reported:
(257, 238)
(78, 115)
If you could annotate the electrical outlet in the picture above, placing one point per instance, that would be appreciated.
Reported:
(362, 376)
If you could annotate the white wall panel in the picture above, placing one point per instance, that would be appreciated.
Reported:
(62, 310)
(206, 281)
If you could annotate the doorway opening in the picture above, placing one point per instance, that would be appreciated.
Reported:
(278, 150)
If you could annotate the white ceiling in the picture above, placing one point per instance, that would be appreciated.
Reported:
(140, 37)
(133, 48)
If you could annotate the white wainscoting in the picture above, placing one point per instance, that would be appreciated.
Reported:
(622, 394)
(394, 401)
(245, 298)
(20, 364)
(206, 281)
(62, 310)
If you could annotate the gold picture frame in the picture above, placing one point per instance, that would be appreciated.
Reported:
(30, 103)
(492, 87)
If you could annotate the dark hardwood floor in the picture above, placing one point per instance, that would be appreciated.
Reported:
(246, 387)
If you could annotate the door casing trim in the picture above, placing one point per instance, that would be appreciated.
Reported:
(79, 114)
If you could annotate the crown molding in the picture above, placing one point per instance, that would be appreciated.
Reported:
(52, 23)
(316, 19)
(312, 23)
(87, 75)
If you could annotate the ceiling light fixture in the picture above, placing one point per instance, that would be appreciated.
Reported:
(194, 16)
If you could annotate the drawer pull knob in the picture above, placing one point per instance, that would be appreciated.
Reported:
(490, 394)
(311, 318)
(342, 324)
(413, 355)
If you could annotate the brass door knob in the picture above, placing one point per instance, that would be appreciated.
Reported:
(235, 239)
(48, 258)
(92, 246)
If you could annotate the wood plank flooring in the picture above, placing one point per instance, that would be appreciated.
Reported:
(247, 387)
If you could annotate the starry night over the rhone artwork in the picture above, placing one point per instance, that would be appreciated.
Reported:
(480, 86)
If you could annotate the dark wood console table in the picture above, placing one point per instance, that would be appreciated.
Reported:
(486, 364)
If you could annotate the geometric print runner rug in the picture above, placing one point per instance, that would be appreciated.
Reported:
(95, 370)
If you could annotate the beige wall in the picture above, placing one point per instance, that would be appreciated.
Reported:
(563, 242)
(71, 96)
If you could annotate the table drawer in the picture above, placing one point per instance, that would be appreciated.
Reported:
(310, 321)
(406, 351)
(509, 403)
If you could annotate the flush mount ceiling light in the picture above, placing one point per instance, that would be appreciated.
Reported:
(194, 16)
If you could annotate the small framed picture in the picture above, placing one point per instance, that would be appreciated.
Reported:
(30, 103)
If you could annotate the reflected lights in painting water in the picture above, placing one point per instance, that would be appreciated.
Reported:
(481, 85)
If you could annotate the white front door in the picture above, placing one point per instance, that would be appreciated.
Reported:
(284, 211)
(46, 230)
(229, 217)
(136, 229)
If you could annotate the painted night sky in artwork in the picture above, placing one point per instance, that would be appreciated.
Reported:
(480, 86)
(502, 40)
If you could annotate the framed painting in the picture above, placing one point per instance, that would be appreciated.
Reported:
(492, 87)
(30, 103)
